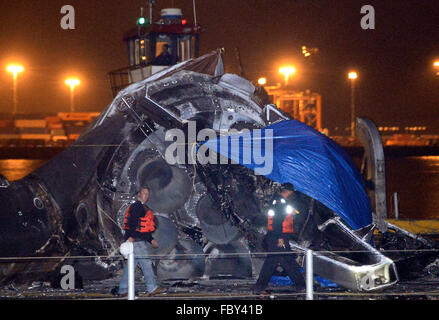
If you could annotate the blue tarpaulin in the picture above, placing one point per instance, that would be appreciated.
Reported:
(283, 281)
(291, 151)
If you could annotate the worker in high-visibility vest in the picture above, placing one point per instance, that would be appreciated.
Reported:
(139, 225)
(280, 228)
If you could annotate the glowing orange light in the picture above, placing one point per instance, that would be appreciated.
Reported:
(436, 64)
(352, 75)
(287, 71)
(262, 81)
(72, 82)
(15, 69)
(184, 21)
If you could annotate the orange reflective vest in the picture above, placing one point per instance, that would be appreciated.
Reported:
(144, 224)
(287, 224)
(270, 224)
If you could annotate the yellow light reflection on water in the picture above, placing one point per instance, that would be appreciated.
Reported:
(15, 169)
(431, 160)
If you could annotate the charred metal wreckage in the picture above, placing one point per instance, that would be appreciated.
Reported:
(75, 204)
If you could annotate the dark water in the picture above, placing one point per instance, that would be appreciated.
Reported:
(416, 179)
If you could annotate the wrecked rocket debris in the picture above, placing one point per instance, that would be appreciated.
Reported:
(75, 203)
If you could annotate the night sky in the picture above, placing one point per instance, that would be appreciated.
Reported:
(396, 84)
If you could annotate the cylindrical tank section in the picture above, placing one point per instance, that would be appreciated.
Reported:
(179, 194)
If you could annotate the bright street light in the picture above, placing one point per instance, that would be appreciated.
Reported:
(287, 71)
(15, 70)
(262, 81)
(436, 66)
(72, 82)
(352, 76)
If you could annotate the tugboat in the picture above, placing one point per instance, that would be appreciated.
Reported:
(153, 47)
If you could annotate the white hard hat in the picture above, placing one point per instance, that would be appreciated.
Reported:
(126, 248)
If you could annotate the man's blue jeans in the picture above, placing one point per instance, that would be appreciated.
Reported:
(140, 249)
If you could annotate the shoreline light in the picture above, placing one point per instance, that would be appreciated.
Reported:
(287, 71)
(72, 82)
(262, 81)
(352, 75)
(14, 68)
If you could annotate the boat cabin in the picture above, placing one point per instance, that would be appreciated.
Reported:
(153, 47)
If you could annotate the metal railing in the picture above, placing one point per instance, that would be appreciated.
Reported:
(308, 255)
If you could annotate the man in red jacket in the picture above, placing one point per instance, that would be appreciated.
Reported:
(138, 226)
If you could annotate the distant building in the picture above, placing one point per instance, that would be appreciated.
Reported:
(304, 106)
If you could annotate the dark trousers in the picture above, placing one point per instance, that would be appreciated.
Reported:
(286, 261)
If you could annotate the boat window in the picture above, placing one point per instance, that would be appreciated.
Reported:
(159, 47)
(136, 52)
(193, 40)
(184, 48)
